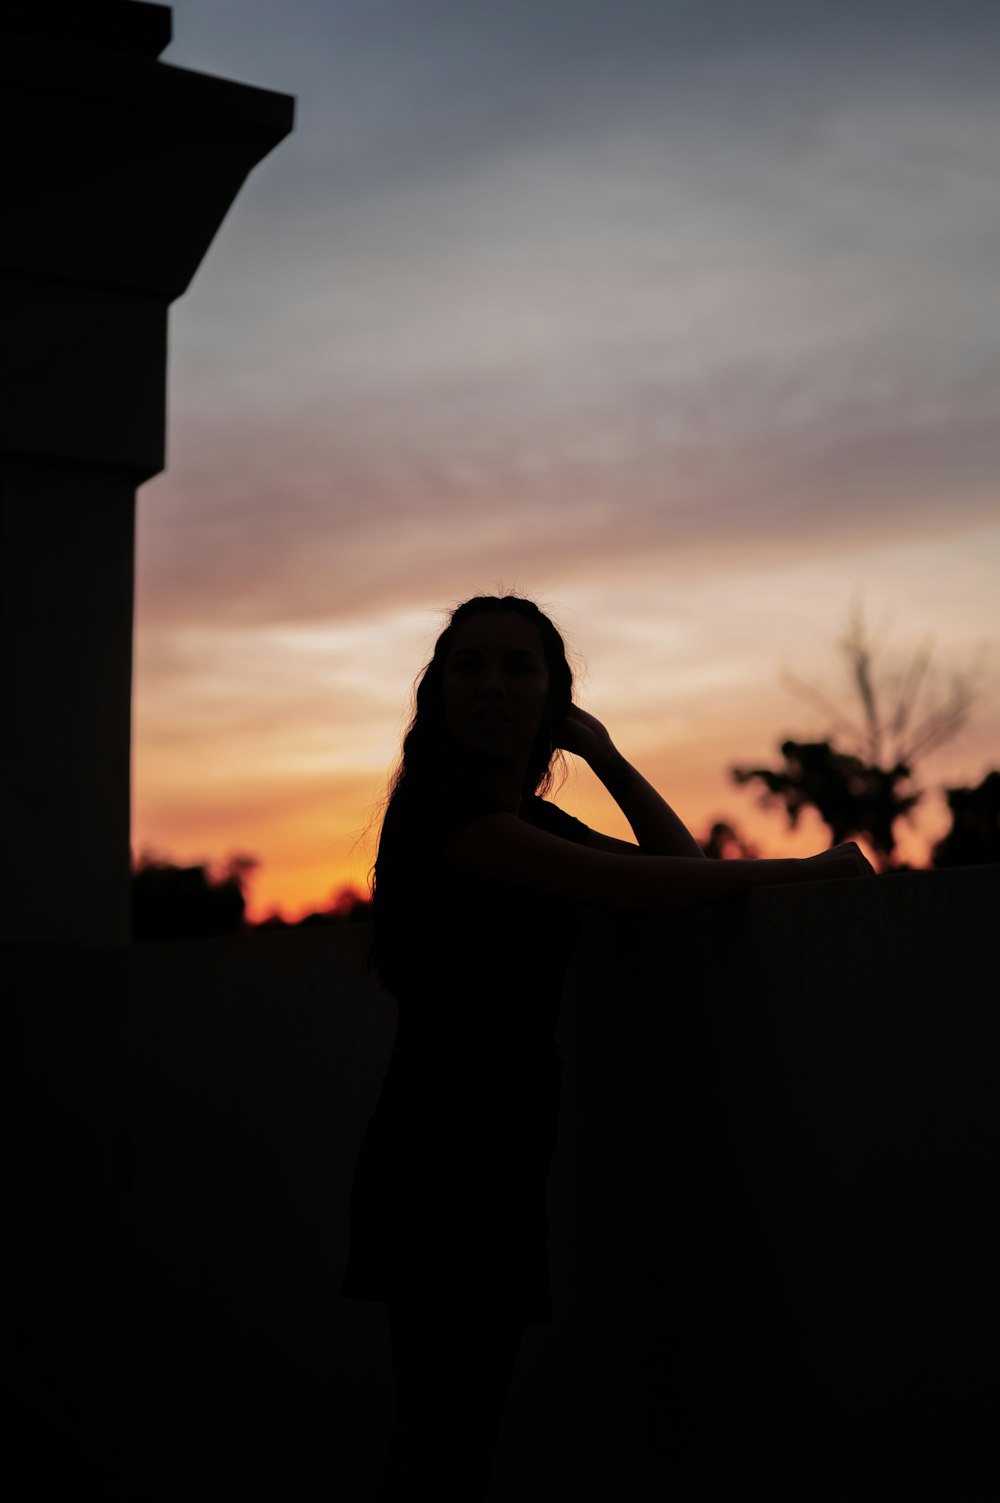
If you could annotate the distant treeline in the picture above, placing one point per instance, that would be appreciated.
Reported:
(191, 902)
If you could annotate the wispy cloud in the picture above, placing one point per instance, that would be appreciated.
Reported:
(615, 303)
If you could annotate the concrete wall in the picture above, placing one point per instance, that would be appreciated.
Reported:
(772, 1241)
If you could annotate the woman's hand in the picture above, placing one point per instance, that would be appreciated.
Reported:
(655, 826)
(585, 737)
(844, 860)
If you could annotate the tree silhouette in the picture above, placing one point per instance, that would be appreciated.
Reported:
(850, 798)
(347, 906)
(890, 734)
(186, 902)
(724, 843)
(859, 787)
(974, 836)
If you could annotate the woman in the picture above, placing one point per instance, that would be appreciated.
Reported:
(476, 882)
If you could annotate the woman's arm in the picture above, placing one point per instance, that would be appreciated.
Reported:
(508, 848)
(656, 827)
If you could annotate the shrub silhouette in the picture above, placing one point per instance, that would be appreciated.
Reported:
(186, 902)
(974, 837)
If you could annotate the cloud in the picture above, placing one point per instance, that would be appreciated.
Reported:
(667, 285)
(415, 91)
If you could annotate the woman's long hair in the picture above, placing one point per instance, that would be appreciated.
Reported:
(430, 757)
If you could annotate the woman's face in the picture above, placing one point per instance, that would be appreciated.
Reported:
(495, 683)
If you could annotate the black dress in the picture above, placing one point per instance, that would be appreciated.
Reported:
(448, 1206)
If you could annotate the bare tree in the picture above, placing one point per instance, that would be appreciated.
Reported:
(862, 785)
(886, 730)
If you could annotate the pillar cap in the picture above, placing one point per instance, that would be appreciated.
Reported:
(124, 165)
(122, 168)
(121, 26)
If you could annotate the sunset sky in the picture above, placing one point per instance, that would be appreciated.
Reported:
(682, 318)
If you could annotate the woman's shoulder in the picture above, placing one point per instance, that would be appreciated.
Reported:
(429, 815)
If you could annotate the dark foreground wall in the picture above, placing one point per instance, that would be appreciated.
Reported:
(772, 1245)
(792, 1114)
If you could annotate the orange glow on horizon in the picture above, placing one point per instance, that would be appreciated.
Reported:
(276, 741)
(294, 891)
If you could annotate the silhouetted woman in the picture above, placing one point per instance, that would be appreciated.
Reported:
(476, 880)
